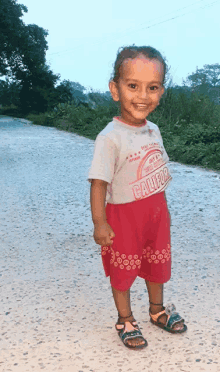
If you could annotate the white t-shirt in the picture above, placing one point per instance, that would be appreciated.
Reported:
(132, 160)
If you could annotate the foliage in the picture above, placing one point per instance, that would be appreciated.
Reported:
(98, 98)
(80, 119)
(186, 141)
(22, 46)
(9, 92)
(187, 116)
(22, 58)
(190, 127)
(11, 28)
(11, 110)
(206, 81)
(71, 91)
(209, 74)
(186, 106)
(38, 93)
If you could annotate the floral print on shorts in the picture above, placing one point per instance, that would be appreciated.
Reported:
(157, 256)
(130, 262)
(123, 261)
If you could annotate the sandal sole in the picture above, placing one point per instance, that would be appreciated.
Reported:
(168, 329)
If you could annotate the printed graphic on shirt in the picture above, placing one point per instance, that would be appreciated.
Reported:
(152, 173)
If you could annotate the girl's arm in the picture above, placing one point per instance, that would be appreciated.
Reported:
(97, 200)
(103, 232)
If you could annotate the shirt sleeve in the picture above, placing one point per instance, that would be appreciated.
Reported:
(104, 158)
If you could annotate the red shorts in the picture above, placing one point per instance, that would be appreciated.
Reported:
(141, 246)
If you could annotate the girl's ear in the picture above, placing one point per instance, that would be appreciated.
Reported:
(114, 90)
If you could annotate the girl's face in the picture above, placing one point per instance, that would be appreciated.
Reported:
(139, 89)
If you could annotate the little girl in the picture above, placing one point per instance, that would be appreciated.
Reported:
(130, 167)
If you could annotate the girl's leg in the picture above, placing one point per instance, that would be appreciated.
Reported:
(155, 292)
(123, 305)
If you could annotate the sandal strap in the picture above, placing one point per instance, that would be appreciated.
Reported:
(123, 324)
(155, 304)
(125, 317)
(157, 316)
(174, 319)
(131, 335)
(171, 319)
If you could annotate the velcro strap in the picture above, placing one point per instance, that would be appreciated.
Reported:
(129, 335)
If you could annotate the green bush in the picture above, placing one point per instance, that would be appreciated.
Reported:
(11, 110)
(189, 124)
(41, 119)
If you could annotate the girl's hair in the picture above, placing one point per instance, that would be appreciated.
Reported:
(133, 52)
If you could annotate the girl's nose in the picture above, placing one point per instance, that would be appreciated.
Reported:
(143, 93)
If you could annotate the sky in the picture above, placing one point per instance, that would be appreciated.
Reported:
(84, 36)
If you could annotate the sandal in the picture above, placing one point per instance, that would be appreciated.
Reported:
(125, 336)
(172, 318)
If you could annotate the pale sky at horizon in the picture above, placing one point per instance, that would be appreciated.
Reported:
(84, 38)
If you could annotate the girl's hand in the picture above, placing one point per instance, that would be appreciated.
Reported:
(103, 234)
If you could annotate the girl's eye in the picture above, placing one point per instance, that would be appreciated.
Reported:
(154, 87)
(133, 86)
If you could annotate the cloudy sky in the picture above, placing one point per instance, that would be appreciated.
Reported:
(84, 36)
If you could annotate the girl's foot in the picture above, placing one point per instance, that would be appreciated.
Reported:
(177, 327)
(130, 325)
(157, 308)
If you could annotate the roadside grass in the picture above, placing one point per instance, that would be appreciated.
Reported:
(189, 125)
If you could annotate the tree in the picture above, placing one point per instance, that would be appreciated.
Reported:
(9, 92)
(63, 92)
(69, 91)
(76, 86)
(213, 74)
(10, 30)
(38, 93)
(23, 58)
(21, 46)
(206, 81)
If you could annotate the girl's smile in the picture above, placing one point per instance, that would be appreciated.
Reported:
(139, 89)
